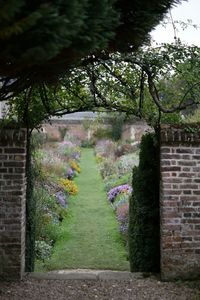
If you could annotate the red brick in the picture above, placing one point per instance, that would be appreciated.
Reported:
(12, 204)
(165, 150)
(15, 150)
(184, 150)
(170, 169)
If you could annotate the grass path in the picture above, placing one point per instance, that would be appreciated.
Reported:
(90, 237)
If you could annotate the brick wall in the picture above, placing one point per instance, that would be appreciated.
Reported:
(12, 203)
(76, 129)
(180, 202)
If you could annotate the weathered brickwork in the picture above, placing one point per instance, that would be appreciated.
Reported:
(76, 128)
(180, 202)
(12, 203)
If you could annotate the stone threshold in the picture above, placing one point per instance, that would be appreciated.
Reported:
(87, 274)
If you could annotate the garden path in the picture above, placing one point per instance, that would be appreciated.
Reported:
(90, 237)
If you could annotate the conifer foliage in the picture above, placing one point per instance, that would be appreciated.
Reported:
(40, 39)
(144, 222)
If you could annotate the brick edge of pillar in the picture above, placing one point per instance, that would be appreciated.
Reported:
(13, 203)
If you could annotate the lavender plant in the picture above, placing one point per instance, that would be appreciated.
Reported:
(70, 173)
(61, 199)
(112, 194)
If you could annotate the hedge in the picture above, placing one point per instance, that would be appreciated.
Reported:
(144, 220)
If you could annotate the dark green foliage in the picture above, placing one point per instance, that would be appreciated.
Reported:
(39, 40)
(144, 236)
(48, 215)
(62, 132)
(102, 133)
(116, 181)
(117, 123)
(30, 210)
(87, 143)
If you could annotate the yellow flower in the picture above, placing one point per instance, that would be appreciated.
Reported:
(99, 158)
(69, 186)
(75, 166)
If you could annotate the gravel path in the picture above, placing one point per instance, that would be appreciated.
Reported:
(137, 289)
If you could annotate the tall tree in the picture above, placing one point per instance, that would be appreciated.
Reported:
(42, 39)
(149, 83)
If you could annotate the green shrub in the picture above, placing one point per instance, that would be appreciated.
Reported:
(39, 138)
(112, 181)
(62, 131)
(87, 143)
(144, 239)
(101, 133)
(117, 122)
(42, 250)
(47, 212)
(50, 232)
(107, 167)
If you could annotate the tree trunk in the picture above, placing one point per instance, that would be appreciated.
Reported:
(30, 209)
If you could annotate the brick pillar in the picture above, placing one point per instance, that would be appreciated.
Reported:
(12, 203)
(180, 202)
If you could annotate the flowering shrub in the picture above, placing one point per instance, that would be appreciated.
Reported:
(69, 186)
(99, 158)
(75, 141)
(106, 148)
(47, 218)
(122, 217)
(113, 180)
(42, 250)
(112, 194)
(76, 154)
(51, 194)
(69, 150)
(51, 164)
(61, 199)
(67, 144)
(75, 166)
(70, 173)
(126, 163)
(107, 167)
(120, 200)
(48, 215)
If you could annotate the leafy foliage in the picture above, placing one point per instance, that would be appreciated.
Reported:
(155, 84)
(42, 250)
(144, 239)
(117, 122)
(41, 40)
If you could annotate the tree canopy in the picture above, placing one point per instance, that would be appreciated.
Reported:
(151, 81)
(40, 40)
(155, 84)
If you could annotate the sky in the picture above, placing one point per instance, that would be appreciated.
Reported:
(186, 10)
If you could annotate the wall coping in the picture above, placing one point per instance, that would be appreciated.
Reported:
(180, 134)
(79, 121)
(10, 134)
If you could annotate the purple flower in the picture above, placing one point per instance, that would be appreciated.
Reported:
(67, 144)
(112, 194)
(122, 217)
(76, 156)
(61, 199)
(70, 173)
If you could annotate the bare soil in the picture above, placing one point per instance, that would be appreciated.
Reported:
(134, 289)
